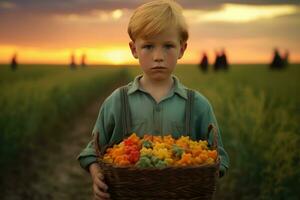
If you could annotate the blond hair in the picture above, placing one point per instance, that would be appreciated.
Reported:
(155, 17)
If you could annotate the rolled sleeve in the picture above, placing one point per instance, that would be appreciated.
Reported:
(85, 162)
(87, 156)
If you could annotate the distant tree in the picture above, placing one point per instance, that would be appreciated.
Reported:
(217, 63)
(277, 62)
(83, 60)
(72, 62)
(14, 62)
(204, 63)
(285, 58)
(223, 60)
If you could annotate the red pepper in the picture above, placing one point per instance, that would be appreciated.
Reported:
(129, 149)
(128, 142)
(134, 156)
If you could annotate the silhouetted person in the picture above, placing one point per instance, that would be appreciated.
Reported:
(277, 62)
(72, 64)
(14, 63)
(83, 59)
(217, 64)
(223, 60)
(285, 58)
(204, 63)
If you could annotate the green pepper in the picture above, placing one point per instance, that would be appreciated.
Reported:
(154, 160)
(177, 151)
(144, 162)
(161, 164)
(147, 144)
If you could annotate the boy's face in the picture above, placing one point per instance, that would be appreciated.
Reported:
(158, 55)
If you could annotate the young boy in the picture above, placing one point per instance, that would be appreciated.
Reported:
(157, 101)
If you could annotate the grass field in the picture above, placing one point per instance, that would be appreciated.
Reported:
(34, 100)
(258, 111)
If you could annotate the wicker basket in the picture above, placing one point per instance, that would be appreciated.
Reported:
(170, 183)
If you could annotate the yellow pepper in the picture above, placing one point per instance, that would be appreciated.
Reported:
(169, 161)
(162, 153)
(146, 151)
(107, 159)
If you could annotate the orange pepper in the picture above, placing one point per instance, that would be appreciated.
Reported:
(203, 156)
(148, 137)
(182, 143)
(196, 152)
(117, 152)
(122, 160)
(168, 140)
(157, 139)
(212, 154)
(186, 158)
(198, 160)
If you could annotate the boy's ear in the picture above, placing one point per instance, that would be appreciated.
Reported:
(183, 47)
(133, 49)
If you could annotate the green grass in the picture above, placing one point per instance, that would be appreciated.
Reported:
(28, 72)
(258, 111)
(34, 100)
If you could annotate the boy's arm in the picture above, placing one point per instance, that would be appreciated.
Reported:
(205, 116)
(103, 126)
(87, 156)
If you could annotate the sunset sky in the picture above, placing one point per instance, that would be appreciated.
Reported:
(48, 31)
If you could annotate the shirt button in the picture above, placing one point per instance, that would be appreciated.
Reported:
(157, 109)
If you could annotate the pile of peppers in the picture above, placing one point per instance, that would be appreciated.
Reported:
(159, 152)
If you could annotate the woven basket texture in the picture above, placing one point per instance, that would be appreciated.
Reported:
(178, 183)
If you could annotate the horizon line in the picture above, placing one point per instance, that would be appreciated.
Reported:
(124, 64)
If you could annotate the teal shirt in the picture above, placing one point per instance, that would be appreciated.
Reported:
(151, 117)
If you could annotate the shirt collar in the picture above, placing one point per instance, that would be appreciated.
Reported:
(178, 88)
(134, 85)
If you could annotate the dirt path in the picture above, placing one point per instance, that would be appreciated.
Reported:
(56, 174)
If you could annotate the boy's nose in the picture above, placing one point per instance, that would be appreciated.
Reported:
(158, 60)
(158, 55)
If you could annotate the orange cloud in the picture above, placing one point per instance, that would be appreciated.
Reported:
(236, 13)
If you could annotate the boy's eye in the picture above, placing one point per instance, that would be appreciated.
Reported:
(147, 46)
(169, 46)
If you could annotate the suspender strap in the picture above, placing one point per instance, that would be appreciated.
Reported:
(125, 112)
(188, 111)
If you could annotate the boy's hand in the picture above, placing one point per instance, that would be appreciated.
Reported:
(99, 186)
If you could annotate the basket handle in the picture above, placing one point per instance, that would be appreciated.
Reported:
(215, 136)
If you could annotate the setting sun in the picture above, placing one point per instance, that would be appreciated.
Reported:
(117, 56)
(106, 55)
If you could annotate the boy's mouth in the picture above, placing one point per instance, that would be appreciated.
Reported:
(158, 67)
